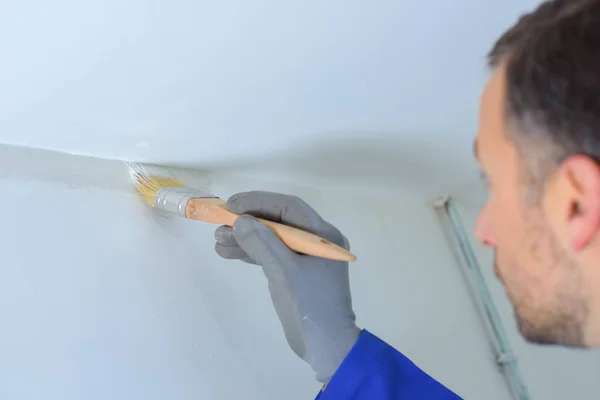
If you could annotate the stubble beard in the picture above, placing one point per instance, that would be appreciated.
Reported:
(561, 320)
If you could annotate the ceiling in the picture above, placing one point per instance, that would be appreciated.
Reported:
(382, 91)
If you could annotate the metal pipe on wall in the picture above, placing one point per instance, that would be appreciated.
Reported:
(466, 258)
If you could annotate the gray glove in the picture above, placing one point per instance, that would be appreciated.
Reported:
(311, 295)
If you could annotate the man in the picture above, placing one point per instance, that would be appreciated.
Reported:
(538, 144)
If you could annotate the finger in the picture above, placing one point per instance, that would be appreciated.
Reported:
(345, 243)
(258, 203)
(224, 236)
(261, 244)
(232, 253)
(278, 207)
(286, 209)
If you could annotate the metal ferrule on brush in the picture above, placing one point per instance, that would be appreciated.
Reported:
(175, 199)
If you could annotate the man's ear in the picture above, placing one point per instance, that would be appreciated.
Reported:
(572, 201)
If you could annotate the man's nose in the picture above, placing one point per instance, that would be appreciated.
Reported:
(483, 232)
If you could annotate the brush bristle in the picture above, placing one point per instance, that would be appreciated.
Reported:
(148, 185)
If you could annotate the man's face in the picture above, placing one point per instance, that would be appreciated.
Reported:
(539, 276)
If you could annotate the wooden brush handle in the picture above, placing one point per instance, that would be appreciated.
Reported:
(214, 211)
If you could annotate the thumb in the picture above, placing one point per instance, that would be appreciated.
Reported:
(260, 243)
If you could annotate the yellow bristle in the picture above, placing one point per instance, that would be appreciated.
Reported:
(148, 185)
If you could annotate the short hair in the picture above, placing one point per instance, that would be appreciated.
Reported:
(551, 58)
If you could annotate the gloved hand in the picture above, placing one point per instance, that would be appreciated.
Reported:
(311, 295)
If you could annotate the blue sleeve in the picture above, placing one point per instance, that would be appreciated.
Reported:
(375, 370)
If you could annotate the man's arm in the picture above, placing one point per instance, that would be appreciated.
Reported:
(312, 299)
(375, 370)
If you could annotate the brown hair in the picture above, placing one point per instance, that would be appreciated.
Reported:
(552, 61)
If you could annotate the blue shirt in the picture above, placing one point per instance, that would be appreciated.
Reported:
(374, 370)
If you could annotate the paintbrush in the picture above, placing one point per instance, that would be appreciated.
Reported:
(162, 191)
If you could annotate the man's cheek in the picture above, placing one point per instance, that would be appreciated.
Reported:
(495, 215)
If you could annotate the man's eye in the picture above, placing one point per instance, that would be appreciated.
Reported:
(484, 178)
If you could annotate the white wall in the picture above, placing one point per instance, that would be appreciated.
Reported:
(236, 81)
(101, 298)
(550, 372)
